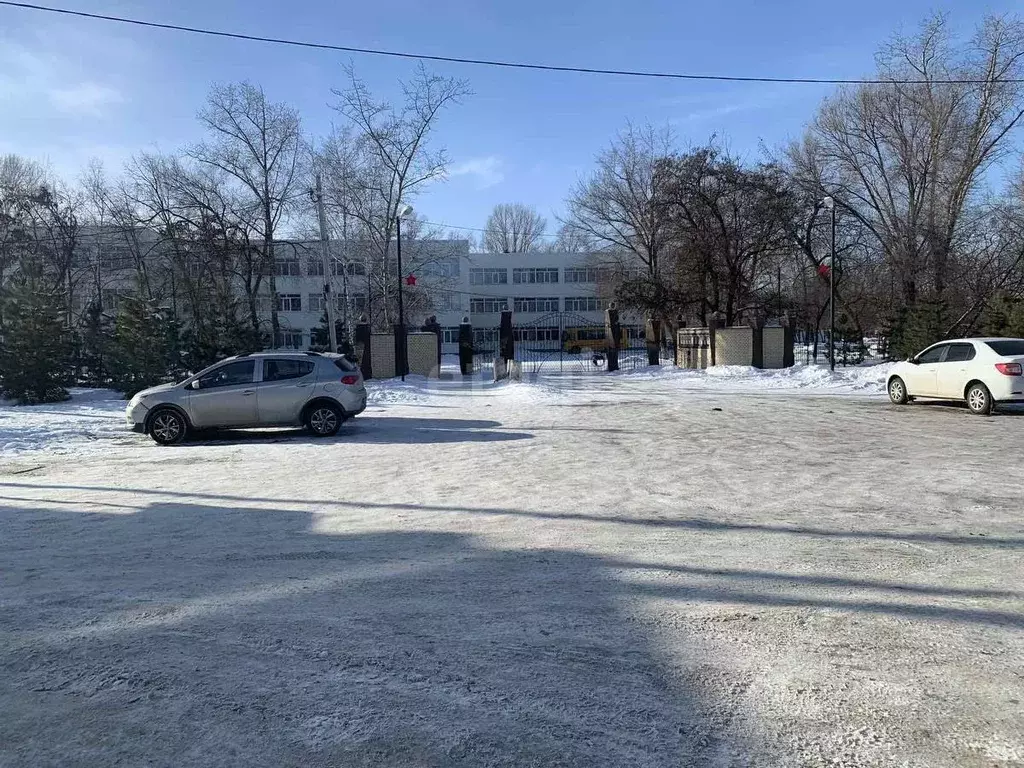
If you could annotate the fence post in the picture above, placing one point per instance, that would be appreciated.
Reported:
(363, 347)
(466, 347)
(612, 332)
(653, 333)
(713, 336)
(506, 341)
(757, 344)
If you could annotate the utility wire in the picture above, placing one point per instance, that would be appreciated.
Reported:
(489, 62)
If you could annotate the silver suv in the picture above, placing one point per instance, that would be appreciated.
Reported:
(267, 389)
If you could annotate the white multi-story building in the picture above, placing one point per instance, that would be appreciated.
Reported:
(547, 291)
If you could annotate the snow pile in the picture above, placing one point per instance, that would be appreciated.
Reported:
(810, 379)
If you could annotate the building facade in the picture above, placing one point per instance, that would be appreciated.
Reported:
(543, 289)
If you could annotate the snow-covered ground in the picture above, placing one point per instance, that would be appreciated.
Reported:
(93, 420)
(655, 568)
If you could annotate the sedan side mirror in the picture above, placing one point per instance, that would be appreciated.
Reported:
(195, 384)
(913, 361)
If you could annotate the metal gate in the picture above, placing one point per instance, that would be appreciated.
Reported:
(566, 342)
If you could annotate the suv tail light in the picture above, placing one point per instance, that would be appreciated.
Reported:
(1009, 369)
(350, 380)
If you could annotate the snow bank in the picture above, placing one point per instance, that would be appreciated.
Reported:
(811, 379)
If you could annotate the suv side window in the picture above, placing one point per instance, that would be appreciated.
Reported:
(932, 355)
(238, 372)
(281, 370)
(960, 353)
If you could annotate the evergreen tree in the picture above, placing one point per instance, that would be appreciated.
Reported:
(320, 338)
(915, 328)
(146, 347)
(35, 353)
(1004, 316)
(94, 346)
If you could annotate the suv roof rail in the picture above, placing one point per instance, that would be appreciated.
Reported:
(314, 354)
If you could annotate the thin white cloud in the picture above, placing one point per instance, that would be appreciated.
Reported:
(486, 171)
(86, 98)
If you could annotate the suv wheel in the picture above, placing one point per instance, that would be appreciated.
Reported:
(324, 419)
(167, 427)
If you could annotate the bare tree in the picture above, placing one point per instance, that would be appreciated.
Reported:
(258, 144)
(622, 204)
(572, 240)
(383, 162)
(513, 228)
(908, 159)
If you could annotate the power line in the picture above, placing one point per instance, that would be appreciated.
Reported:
(487, 62)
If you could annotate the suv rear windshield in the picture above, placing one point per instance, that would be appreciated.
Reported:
(1008, 347)
(345, 364)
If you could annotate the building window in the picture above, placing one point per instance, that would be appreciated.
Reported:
(486, 306)
(488, 276)
(582, 304)
(113, 299)
(193, 267)
(586, 274)
(358, 302)
(288, 339)
(534, 275)
(450, 335)
(289, 302)
(485, 339)
(316, 302)
(542, 304)
(443, 268)
(315, 268)
(447, 301)
(263, 304)
(287, 267)
(354, 269)
(116, 257)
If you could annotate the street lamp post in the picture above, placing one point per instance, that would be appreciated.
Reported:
(404, 211)
(830, 205)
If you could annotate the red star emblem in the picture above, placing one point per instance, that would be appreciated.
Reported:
(411, 279)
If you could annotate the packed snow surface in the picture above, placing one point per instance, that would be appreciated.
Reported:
(652, 568)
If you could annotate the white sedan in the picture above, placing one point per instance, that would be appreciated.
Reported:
(982, 372)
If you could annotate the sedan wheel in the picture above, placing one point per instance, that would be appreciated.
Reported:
(324, 420)
(167, 428)
(898, 391)
(979, 400)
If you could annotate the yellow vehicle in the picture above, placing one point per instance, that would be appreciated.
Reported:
(575, 340)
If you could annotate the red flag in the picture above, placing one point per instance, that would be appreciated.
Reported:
(411, 279)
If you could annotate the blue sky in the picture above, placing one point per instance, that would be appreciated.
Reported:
(73, 89)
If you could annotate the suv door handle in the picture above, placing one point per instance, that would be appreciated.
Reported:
(302, 386)
(248, 392)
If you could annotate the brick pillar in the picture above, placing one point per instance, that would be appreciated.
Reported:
(362, 336)
(466, 347)
(613, 335)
